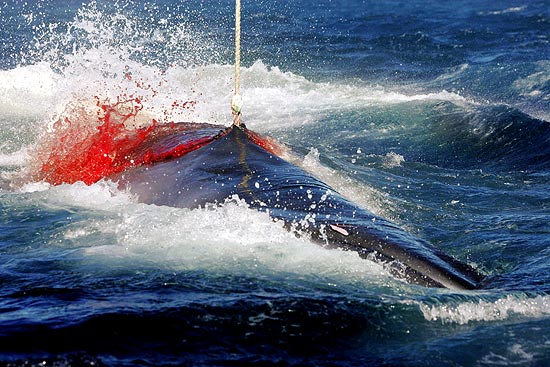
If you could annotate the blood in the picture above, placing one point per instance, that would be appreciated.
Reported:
(88, 145)
(266, 142)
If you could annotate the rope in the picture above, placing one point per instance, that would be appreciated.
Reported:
(237, 101)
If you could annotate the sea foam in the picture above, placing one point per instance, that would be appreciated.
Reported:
(488, 310)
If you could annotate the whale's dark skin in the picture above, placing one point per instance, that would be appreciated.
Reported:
(234, 164)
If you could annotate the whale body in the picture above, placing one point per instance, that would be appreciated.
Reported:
(235, 161)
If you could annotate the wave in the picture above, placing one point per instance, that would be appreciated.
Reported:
(535, 87)
(111, 54)
(113, 231)
(108, 51)
(492, 137)
(444, 134)
(274, 100)
(515, 9)
(488, 310)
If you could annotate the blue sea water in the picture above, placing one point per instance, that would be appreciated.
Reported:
(433, 114)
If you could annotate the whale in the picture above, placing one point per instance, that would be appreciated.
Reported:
(215, 163)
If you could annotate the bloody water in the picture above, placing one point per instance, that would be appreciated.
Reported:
(87, 144)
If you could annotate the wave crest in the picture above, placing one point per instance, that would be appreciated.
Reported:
(482, 310)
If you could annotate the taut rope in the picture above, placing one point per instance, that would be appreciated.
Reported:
(237, 101)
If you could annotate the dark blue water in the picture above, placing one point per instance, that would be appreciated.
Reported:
(432, 114)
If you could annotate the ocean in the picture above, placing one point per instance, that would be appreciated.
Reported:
(432, 114)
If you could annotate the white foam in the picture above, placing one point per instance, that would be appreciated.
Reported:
(482, 310)
(15, 159)
(27, 91)
(229, 238)
(233, 238)
(273, 98)
(103, 195)
(34, 187)
(531, 85)
(392, 160)
(515, 9)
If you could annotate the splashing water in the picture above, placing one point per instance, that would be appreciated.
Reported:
(90, 144)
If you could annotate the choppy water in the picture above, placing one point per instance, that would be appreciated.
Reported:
(432, 114)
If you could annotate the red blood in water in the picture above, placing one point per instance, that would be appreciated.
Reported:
(80, 149)
(90, 145)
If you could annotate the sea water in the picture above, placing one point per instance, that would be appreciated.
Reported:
(432, 114)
